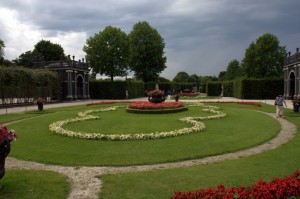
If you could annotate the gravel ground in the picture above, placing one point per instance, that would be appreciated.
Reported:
(85, 181)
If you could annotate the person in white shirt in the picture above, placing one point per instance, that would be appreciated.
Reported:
(279, 101)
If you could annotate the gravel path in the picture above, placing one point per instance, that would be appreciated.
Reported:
(87, 185)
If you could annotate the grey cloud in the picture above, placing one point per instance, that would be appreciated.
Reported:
(201, 36)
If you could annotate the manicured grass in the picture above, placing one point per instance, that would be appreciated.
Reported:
(31, 184)
(244, 171)
(242, 128)
(19, 116)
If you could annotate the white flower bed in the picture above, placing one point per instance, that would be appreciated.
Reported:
(57, 127)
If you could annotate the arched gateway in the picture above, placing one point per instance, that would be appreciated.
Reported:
(292, 76)
(74, 76)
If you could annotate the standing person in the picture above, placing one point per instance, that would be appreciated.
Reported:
(279, 101)
(126, 93)
(169, 95)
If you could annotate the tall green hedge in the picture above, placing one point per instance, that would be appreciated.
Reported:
(228, 89)
(258, 88)
(106, 89)
(19, 82)
(213, 88)
(169, 86)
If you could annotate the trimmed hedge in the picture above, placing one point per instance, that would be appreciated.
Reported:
(258, 88)
(213, 88)
(19, 82)
(169, 86)
(203, 88)
(106, 89)
(228, 89)
(247, 88)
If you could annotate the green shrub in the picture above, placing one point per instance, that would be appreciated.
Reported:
(257, 88)
(169, 86)
(213, 88)
(228, 89)
(19, 82)
(106, 89)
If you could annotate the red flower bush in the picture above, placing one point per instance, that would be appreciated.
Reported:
(6, 135)
(149, 105)
(156, 93)
(278, 188)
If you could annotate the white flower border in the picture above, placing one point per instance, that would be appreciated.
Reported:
(57, 127)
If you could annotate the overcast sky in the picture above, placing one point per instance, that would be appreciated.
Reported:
(201, 36)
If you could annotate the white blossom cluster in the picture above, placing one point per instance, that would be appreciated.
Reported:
(57, 127)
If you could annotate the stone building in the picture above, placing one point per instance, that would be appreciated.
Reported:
(292, 76)
(74, 76)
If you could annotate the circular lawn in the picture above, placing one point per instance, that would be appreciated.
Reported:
(240, 129)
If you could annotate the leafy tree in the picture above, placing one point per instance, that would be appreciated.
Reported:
(25, 59)
(222, 75)
(43, 51)
(7, 62)
(163, 79)
(108, 52)
(205, 79)
(195, 79)
(47, 51)
(233, 70)
(147, 48)
(181, 77)
(2, 46)
(264, 58)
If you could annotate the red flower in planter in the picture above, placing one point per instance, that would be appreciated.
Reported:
(156, 93)
(6, 135)
(149, 105)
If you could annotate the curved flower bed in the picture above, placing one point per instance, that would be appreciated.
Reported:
(148, 107)
(57, 127)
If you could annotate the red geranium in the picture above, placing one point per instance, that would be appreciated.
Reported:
(156, 93)
(149, 105)
(6, 135)
(278, 188)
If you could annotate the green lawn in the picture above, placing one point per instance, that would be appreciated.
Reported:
(280, 162)
(224, 135)
(31, 184)
(242, 128)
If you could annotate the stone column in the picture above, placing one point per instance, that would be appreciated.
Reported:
(83, 86)
(297, 81)
(70, 93)
(75, 84)
(87, 85)
(285, 75)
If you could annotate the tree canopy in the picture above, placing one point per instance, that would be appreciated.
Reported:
(147, 52)
(43, 51)
(47, 51)
(233, 70)
(264, 58)
(108, 52)
(181, 77)
(25, 59)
